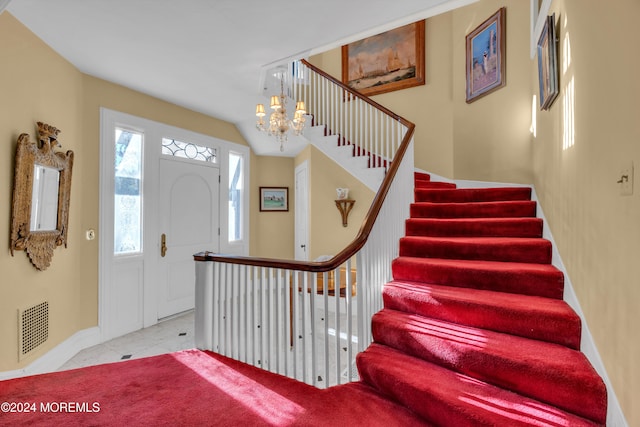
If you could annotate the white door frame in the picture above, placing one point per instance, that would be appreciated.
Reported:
(301, 214)
(145, 263)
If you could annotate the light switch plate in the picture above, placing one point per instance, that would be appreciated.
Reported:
(626, 179)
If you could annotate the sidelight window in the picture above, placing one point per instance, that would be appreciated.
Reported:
(128, 192)
(236, 187)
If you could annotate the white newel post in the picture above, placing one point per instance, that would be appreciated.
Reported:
(203, 328)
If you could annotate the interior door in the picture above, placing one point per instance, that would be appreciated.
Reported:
(189, 223)
(301, 250)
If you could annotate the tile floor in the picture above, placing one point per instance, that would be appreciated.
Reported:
(165, 337)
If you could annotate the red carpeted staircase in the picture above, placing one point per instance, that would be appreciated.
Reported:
(474, 330)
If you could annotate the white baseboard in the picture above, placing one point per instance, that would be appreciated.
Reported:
(59, 355)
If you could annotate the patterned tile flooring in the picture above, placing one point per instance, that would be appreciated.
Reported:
(167, 336)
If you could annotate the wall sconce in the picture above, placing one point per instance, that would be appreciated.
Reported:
(345, 206)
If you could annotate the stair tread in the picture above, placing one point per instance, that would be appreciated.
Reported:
(516, 249)
(490, 240)
(482, 220)
(493, 209)
(480, 265)
(445, 397)
(474, 227)
(422, 176)
(433, 184)
(541, 370)
(515, 277)
(499, 311)
(464, 195)
(494, 265)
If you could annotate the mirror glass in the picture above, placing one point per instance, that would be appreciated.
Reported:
(44, 198)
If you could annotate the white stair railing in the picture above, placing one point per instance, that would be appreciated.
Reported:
(308, 320)
(370, 129)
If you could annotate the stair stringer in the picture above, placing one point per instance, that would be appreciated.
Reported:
(357, 166)
(615, 416)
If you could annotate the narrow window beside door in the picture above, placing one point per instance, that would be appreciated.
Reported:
(236, 179)
(128, 192)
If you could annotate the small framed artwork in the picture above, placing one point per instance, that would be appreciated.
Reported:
(486, 57)
(548, 64)
(274, 199)
(385, 62)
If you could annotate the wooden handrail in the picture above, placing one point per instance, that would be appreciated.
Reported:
(368, 222)
(357, 94)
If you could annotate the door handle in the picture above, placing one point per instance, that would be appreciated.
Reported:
(163, 245)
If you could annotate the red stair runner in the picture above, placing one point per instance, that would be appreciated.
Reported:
(474, 329)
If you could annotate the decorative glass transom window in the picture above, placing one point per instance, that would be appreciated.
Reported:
(188, 150)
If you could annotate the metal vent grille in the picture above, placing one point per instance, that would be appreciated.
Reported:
(33, 328)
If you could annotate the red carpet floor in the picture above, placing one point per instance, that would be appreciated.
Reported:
(191, 388)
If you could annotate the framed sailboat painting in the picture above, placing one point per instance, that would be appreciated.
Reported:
(385, 62)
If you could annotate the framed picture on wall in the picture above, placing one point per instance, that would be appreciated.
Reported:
(548, 64)
(486, 57)
(274, 199)
(385, 62)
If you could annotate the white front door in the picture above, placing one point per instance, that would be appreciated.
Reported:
(188, 223)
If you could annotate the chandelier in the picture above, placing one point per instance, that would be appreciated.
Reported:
(279, 124)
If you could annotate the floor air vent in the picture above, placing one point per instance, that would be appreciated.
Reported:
(33, 328)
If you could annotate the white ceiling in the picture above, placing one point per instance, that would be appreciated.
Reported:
(208, 55)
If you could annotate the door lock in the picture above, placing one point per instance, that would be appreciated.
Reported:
(163, 245)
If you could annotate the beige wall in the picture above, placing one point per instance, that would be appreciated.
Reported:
(327, 234)
(491, 135)
(597, 230)
(486, 140)
(429, 105)
(272, 232)
(37, 85)
(275, 235)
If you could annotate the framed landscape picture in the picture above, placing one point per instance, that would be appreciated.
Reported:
(548, 64)
(385, 62)
(486, 57)
(274, 199)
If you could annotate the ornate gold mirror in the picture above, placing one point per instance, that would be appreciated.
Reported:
(41, 190)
